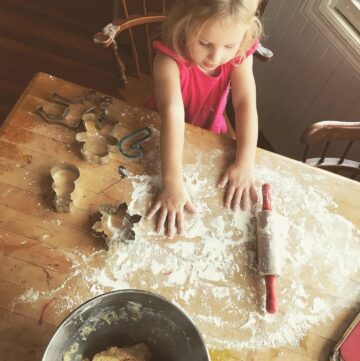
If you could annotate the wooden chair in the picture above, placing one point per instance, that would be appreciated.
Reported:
(130, 39)
(124, 36)
(329, 132)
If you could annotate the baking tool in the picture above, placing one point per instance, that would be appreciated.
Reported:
(64, 176)
(69, 111)
(268, 248)
(58, 99)
(96, 147)
(58, 119)
(128, 317)
(114, 224)
(100, 111)
(135, 138)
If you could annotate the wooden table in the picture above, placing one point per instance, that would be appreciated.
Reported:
(40, 248)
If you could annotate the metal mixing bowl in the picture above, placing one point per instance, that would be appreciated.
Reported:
(125, 318)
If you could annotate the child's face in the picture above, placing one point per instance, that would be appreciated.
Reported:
(217, 43)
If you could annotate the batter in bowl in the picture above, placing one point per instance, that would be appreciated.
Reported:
(138, 352)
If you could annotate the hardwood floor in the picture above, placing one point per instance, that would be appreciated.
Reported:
(54, 37)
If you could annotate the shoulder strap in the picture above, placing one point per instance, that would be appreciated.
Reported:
(238, 60)
(157, 45)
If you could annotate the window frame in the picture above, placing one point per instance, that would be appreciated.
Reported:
(325, 15)
(350, 9)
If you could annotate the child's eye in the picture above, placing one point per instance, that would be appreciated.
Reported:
(202, 43)
(232, 46)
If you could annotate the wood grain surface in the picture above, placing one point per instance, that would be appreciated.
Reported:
(37, 245)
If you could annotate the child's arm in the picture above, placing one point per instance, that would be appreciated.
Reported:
(240, 175)
(173, 197)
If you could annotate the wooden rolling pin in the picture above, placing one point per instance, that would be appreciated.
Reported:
(268, 249)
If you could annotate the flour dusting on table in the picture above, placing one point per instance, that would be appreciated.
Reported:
(216, 257)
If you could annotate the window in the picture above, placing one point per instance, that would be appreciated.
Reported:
(339, 21)
(350, 10)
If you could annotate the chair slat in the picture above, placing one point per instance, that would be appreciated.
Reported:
(147, 35)
(144, 7)
(148, 44)
(305, 153)
(346, 151)
(126, 12)
(132, 40)
(135, 53)
(323, 155)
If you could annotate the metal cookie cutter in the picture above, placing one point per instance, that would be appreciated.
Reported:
(58, 119)
(58, 99)
(96, 147)
(100, 111)
(74, 108)
(114, 224)
(61, 119)
(64, 176)
(135, 138)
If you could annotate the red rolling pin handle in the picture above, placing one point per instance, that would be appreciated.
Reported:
(270, 280)
(266, 197)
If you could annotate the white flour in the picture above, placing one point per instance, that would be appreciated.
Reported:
(215, 261)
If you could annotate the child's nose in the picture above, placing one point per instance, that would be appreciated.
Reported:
(215, 56)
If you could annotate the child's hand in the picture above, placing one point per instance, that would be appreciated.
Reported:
(240, 181)
(171, 202)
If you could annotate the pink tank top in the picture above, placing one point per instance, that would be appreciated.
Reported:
(204, 96)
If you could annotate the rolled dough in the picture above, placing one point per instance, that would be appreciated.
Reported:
(138, 352)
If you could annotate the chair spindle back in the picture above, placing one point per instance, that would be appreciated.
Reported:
(328, 132)
(108, 37)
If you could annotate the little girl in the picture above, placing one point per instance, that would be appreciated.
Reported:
(206, 46)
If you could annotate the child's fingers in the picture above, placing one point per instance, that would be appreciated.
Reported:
(236, 199)
(153, 210)
(161, 220)
(253, 194)
(244, 199)
(171, 224)
(229, 196)
(222, 181)
(180, 222)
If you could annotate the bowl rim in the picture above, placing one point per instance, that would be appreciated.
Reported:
(129, 290)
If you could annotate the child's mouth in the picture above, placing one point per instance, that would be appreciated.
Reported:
(210, 66)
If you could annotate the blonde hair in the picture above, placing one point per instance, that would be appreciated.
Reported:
(190, 15)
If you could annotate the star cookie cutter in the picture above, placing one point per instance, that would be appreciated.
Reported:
(114, 224)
